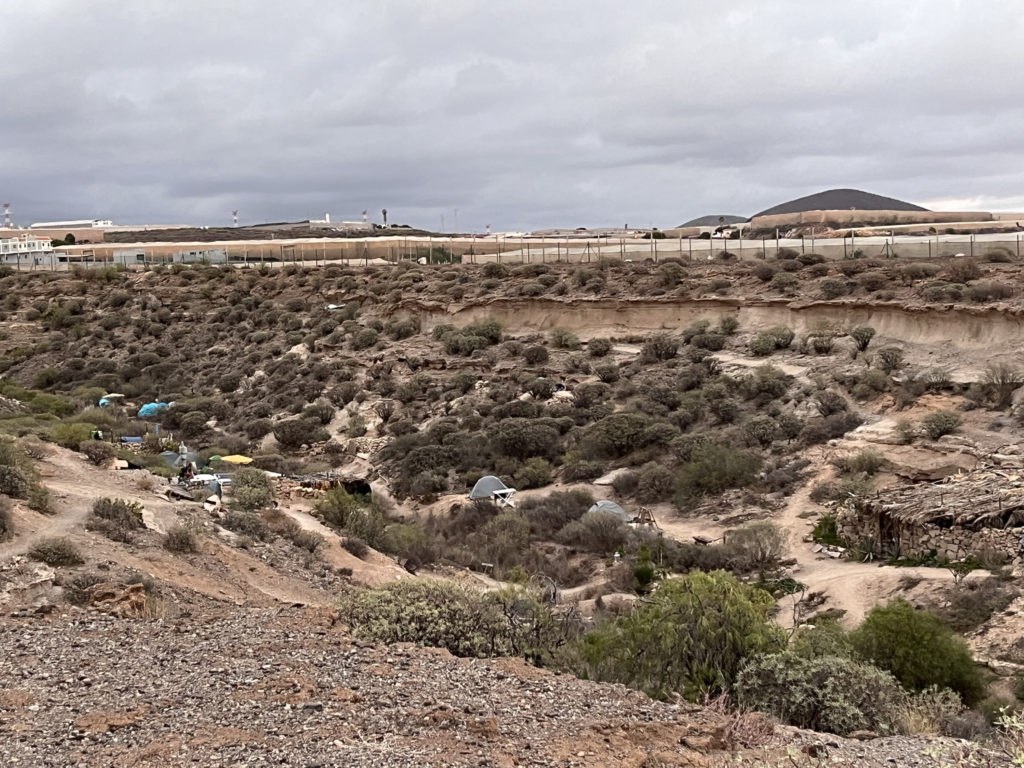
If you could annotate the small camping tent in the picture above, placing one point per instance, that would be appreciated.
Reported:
(611, 507)
(490, 487)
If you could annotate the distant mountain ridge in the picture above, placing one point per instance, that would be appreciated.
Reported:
(841, 200)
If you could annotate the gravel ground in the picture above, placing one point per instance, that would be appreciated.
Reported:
(253, 687)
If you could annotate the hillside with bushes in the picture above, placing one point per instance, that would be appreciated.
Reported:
(733, 410)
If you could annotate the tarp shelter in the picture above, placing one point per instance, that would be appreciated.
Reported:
(611, 507)
(236, 459)
(490, 487)
(177, 460)
(149, 410)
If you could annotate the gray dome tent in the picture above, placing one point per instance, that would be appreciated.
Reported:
(610, 506)
(490, 487)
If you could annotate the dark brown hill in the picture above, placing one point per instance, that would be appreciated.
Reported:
(841, 200)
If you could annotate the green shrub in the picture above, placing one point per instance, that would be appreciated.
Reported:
(655, 482)
(293, 433)
(364, 339)
(614, 436)
(889, 358)
(783, 336)
(526, 438)
(97, 451)
(974, 602)
(784, 281)
(827, 532)
(659, 347)
(599, 347)
(963, 270)
(355, 546)
(713, 468)
(918, 649)
(251, 489)
(833, 289)
(867, 461)
(117, 519)
(1000, 381)
(755, 547)
(6, 520)
(607, 373)
(598, 531)
(410, 544)
(762, 345)
(444, 615)
(15, 482)
(247, 524)
(764, 271)
(549, 514)
(862, 336)
(72, 435)
(536, 354)
(181, 540)
(56, 552)
(335, 506)
(691, 637)
(535, 473)
(563, 338)
(829, 693)
(940, 423)
(486, 329)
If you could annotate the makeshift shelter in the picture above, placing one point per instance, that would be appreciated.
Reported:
(611, 507)
(176, 460)
(966, 513)
(490, 487)
(151, 410)
(236, 459)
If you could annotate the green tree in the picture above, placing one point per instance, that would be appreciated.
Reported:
(918, 649)
(691, 637)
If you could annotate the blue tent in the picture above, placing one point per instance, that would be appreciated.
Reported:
(149, 410)
(104, 402)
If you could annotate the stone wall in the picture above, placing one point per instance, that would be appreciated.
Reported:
(919, 540)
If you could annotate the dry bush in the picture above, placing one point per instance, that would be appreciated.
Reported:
(56, 552)
(181, 540)
(963, 270)
(6, 520)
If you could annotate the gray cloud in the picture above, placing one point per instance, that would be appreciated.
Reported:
(520, 114)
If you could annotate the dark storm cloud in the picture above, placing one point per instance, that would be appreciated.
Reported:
(520, 114)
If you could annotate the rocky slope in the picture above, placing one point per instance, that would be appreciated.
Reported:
(228, 687)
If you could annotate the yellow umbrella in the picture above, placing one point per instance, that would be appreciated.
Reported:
(236, 459)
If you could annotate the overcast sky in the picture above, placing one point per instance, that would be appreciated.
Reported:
(519, 113)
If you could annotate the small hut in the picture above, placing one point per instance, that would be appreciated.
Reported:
(967, 513)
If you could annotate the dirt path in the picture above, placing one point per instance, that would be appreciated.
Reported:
(74, 485)
(375, 569)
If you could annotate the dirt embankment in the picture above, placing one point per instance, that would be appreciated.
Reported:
(962, 327)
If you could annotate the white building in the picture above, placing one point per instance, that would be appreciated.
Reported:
(26, 249)
(77, 224)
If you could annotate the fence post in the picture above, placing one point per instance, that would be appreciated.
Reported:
(972, 246)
